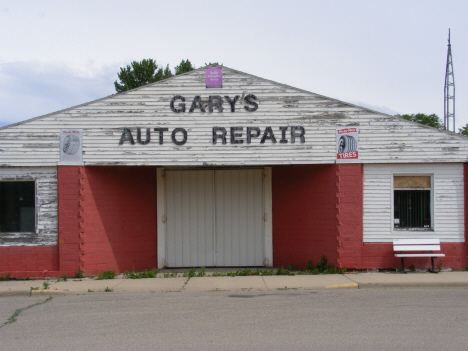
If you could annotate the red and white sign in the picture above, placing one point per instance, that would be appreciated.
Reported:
(347, 146)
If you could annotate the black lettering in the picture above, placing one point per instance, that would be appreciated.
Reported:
(232, 102)
(181, 104)
(126, 136)
(300, 135)
(235, 135)
(161, 131)
(173, 136)
(197, 103)
(218, 104)
(248, 99)
(250, 135)
(268, 134)
(283, 135)
(221, 136)
(148, 136)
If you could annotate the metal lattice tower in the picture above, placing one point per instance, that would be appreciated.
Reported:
(449, 91)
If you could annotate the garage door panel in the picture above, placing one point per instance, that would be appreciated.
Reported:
(189, 223)
(214, 218)
(239, 211)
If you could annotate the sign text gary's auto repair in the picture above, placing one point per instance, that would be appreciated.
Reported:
(232, 135)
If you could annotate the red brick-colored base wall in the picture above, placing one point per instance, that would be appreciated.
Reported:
(28, 261)
(304, 214)
(349, 204)
(107, 218)
(382, 256)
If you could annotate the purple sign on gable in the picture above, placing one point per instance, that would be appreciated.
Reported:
(214, 77)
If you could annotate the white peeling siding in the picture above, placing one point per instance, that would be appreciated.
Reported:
(46, 206)
(448, 202)
(382, 138)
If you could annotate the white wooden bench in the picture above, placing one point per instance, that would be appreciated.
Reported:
(424, 247)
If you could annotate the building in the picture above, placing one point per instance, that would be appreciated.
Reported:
(216, 167)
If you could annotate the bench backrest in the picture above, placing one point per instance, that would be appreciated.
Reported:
(416, 245)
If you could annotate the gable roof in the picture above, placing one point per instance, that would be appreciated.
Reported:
(382, 138)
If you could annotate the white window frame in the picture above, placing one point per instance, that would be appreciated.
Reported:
(433, 223)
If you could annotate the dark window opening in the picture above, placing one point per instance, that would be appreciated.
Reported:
(17, 207)
(412, 209)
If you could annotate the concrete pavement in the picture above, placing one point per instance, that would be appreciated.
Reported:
(238, 283)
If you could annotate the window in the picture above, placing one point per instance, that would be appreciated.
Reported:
(17, 207)
(412, 202)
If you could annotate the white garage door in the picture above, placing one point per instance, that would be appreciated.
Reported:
(214, 218)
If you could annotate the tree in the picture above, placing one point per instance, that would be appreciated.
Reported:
(145, 72)
(184, 66)
(140, 73)
(463, 130)
(429, 120)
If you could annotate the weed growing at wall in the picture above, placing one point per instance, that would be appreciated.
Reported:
(170, 275)
(323, 267)
(106, 275)
(5, 277)
(64, 278)
(79, 274)
(202, 272)
(145, 274)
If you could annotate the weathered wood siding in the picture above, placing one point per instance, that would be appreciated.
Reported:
(382, 139)
(447, 202)
(46, 205)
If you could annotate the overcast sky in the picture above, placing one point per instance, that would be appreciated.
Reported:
(389, 56)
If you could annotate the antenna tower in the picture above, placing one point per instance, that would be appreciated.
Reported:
(449, 91)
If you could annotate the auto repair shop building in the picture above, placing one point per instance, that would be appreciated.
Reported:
(219, 168)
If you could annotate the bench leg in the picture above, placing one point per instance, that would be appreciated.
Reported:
(433, 269)
(403, 264)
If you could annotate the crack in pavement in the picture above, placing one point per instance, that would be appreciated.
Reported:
(347, 277)
(12, 319)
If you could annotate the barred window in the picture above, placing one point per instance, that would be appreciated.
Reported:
(412, 202)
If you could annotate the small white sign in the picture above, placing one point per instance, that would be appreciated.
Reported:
(71, 145)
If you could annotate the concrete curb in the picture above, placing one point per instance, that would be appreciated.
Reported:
(238, 283)
(342, 286)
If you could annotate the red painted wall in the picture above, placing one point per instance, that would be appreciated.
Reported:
(70, 217)
(119, 227)
(304, 214)
(349, 205)
(107, 218)
(28, 261)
